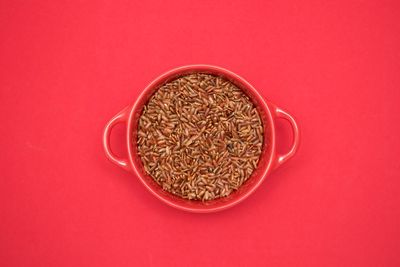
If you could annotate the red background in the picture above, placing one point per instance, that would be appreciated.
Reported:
(67, 67)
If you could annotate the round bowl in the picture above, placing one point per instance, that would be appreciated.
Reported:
(269, 159)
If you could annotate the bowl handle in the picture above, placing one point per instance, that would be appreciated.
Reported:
(280, 113)
(121, 117)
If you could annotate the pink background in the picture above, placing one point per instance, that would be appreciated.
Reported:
(66, 67)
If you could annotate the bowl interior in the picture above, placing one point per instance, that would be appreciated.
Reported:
(252, 182)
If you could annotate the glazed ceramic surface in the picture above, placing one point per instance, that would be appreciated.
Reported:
(269, 159)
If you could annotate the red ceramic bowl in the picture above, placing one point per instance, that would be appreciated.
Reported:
(269, 159)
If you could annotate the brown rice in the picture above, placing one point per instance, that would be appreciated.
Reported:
(200, 137)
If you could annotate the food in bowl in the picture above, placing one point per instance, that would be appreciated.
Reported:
(200, 136)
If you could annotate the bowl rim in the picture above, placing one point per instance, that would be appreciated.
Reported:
(136, 107)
